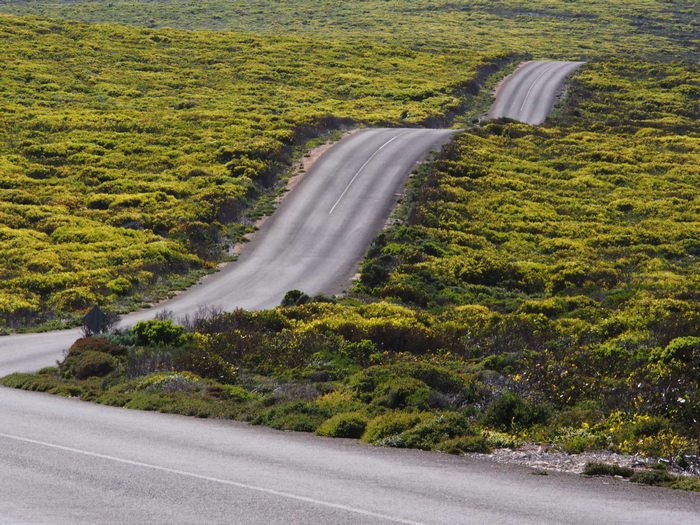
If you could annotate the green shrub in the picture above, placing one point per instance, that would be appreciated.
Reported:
(690, 484)
(580, 443)
(658, 466)
(510, 411)
(649, 427)
(299, 416)
(402, 393)
(405, 384)
(346, 425)
(119, 286)
(87, 364)
(97, 344)
(428, 434)
(498, 440)
(292, 297)
(603, 469)
(158, 333)
(464, 444)
(651, 477)
(170, 382)
(392, 424)
(207, 365)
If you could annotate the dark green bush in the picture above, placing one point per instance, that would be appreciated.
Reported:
(97, 344)
(510, 411)
(464, 444)
(397, 385)
(402, 393)
(652, 477)
(292, 297)
(346, 425)
(88, 364)
(649, 427)
(299, 416)
(603, 469)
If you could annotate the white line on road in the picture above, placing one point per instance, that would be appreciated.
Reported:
(215, 480)
(363, 167)
(533, 85)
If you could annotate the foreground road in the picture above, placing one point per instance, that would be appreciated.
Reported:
(101, 464)
(312, 242)
(529, 94)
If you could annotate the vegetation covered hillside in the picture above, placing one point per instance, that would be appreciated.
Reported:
(129, 156)
(545, 28)
(543, 286)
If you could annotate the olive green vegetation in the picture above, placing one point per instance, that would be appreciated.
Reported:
(544, 28)
(129, 157)
(541, 284)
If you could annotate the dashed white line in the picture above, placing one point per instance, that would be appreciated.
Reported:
(533, 85)
(363, 167)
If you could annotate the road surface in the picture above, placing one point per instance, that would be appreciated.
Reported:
(312, 242)
(529, 94)
(64, 461)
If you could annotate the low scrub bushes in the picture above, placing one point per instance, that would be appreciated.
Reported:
(603, 469)
(509, 411)
(299, 416)
(652, 477)
(347, 425)
(92, 357)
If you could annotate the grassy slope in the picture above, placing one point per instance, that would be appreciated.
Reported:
(129, 154)
(545, 28)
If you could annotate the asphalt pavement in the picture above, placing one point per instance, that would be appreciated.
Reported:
(63, 461)
(529, 94)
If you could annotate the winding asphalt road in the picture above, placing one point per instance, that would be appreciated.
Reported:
(312, 242)
(529, 94)
(63, 461)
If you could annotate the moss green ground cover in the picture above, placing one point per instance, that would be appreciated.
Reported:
(129, 157)
(545, 28)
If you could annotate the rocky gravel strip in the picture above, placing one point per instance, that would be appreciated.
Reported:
(543, 457)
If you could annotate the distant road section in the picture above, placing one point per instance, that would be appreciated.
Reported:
(312, 242)
(528, 95)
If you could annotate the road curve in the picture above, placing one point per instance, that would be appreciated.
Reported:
(528, 95)
(101, 464)
(312, 242)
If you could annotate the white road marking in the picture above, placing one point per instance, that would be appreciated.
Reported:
(215, 480)
(533, 85)
(363, 167)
